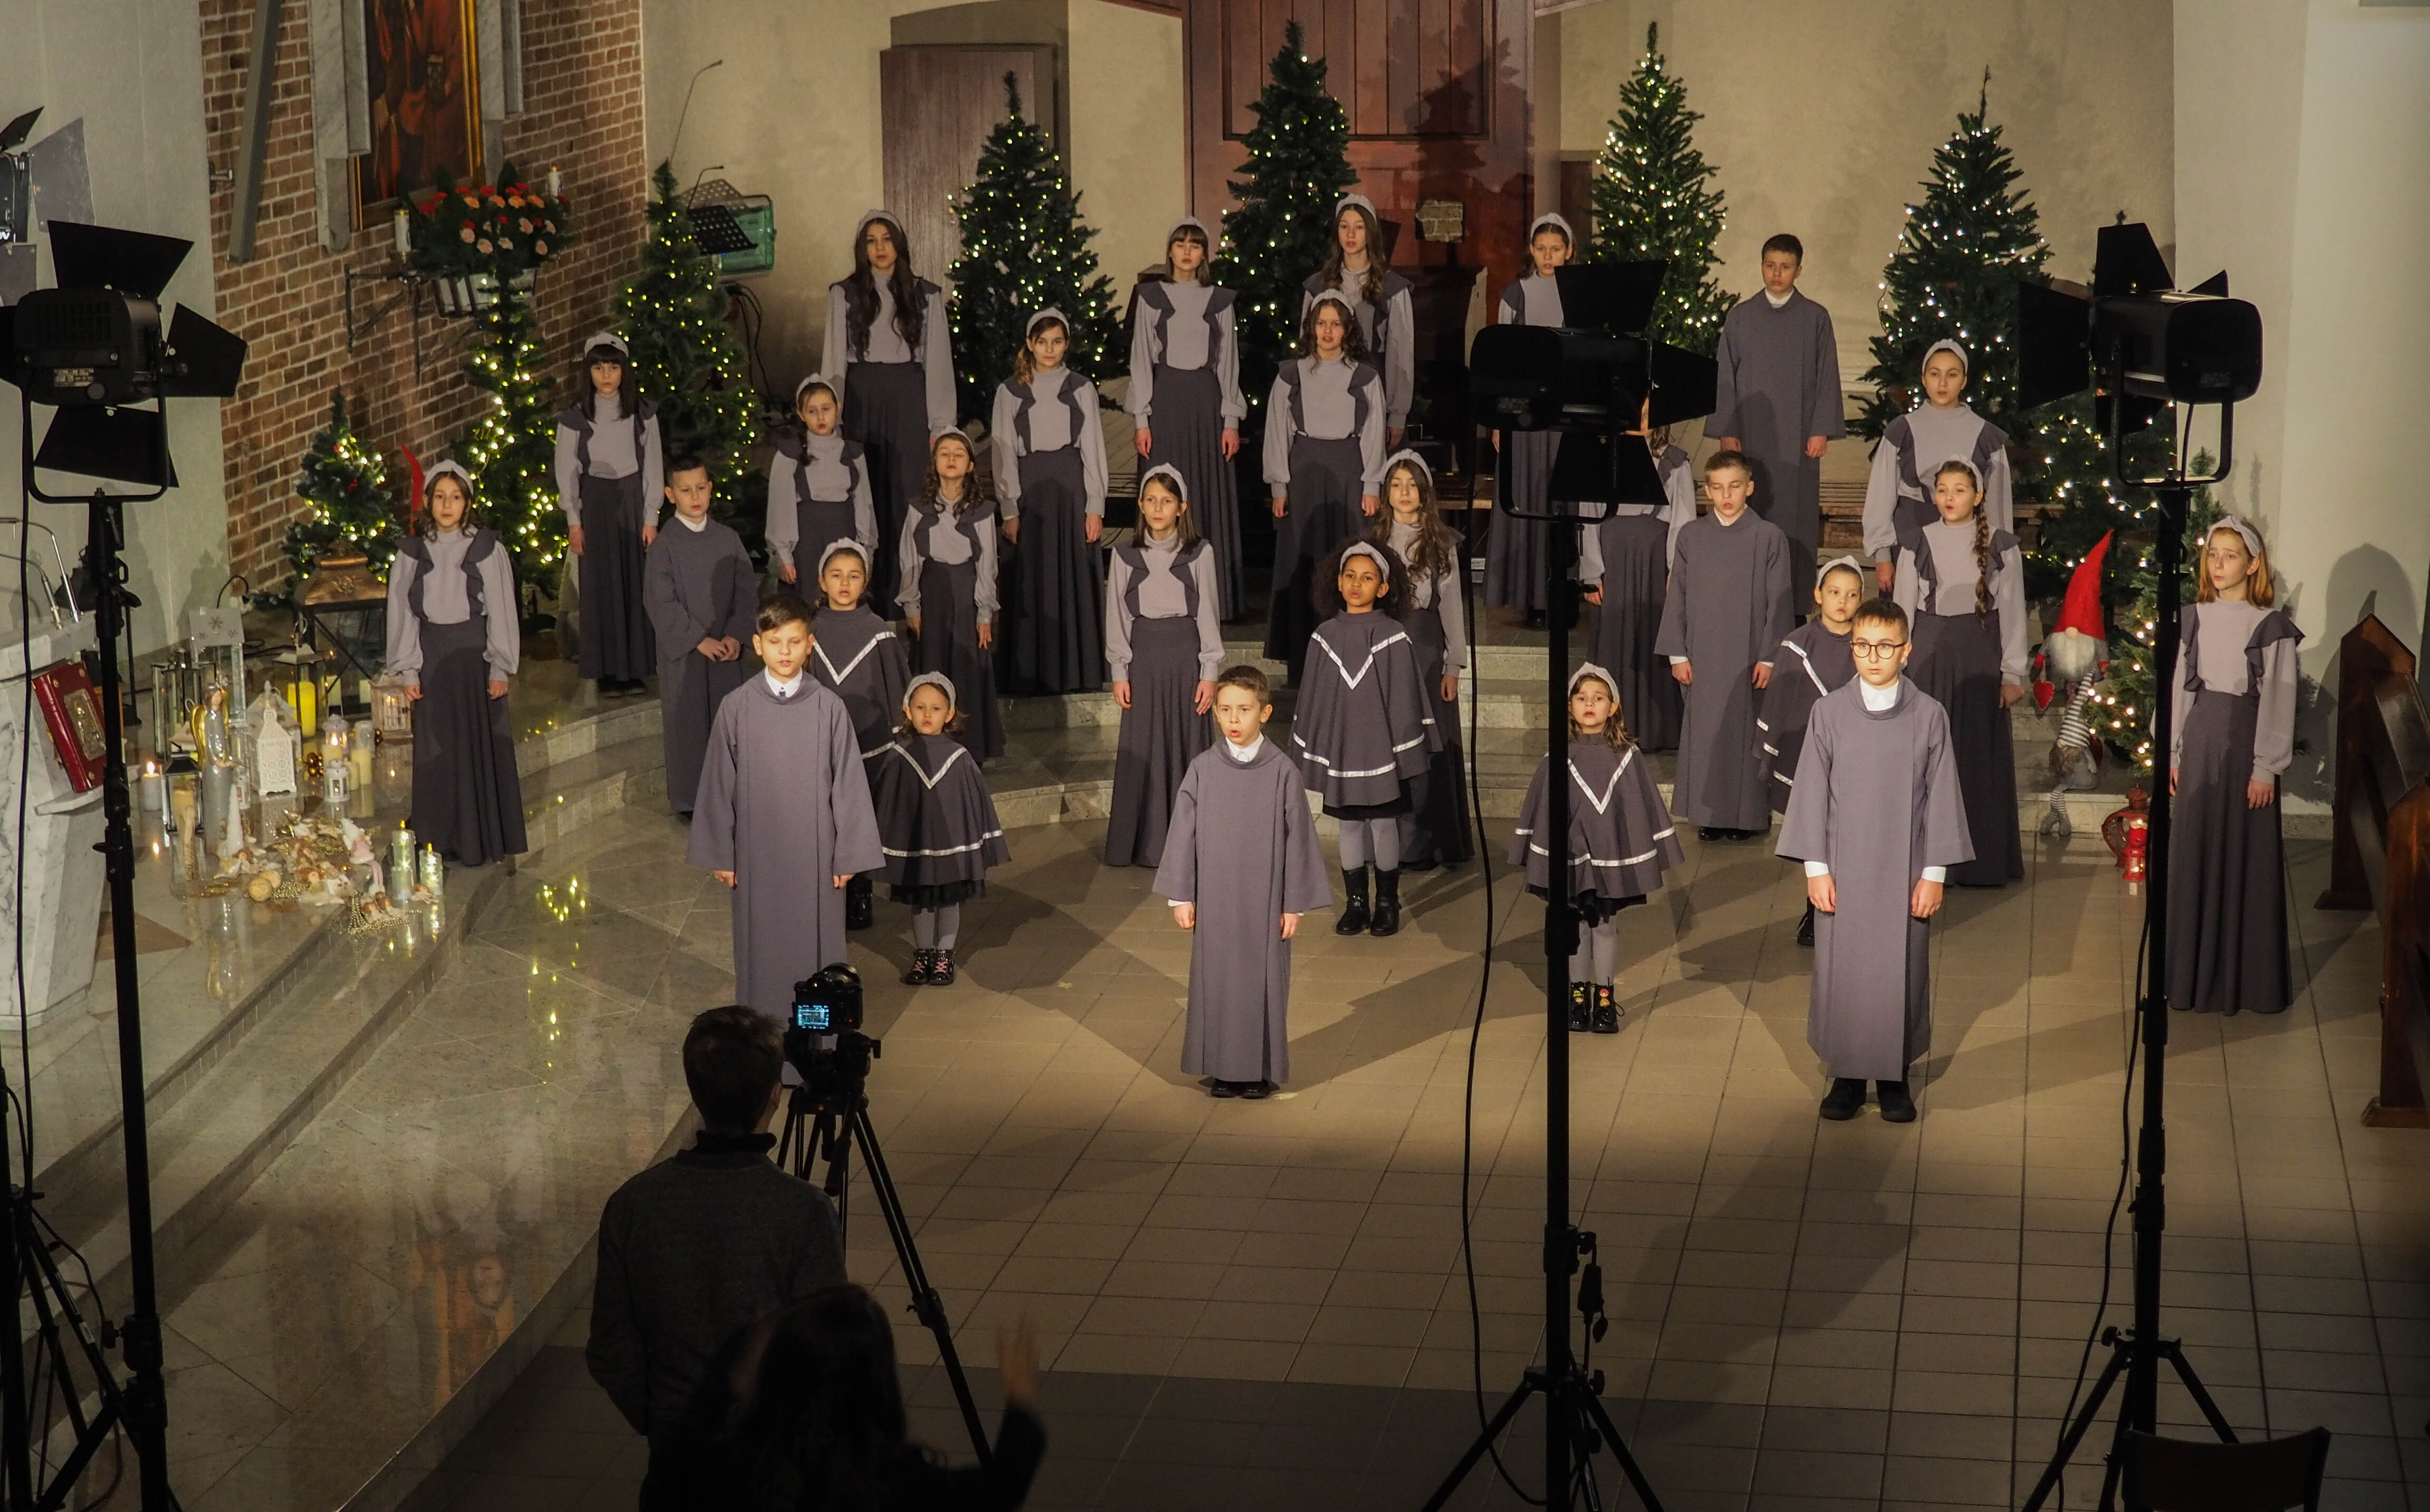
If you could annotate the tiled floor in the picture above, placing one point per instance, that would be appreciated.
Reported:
(1267, 1300)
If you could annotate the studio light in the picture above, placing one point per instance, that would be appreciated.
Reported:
(2134, 338)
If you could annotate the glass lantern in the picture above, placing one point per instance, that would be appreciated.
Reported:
(391, 709)
(336, 769)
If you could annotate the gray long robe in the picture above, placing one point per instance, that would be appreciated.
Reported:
(1726, 610)
(1778, 384)
(695, 583)
(1242, 848)
(784, 805)
(1876, 801)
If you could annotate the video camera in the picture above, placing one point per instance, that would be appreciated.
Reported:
(824, 1044)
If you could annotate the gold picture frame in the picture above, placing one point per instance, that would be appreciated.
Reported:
(422, 73)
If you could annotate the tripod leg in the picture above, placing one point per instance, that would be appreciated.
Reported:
(925, 1304)
(2076, 1430)
(2202, 1398)
(1628, 1466)
(1484, 1440)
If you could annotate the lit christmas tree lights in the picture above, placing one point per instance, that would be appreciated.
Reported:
(1025, 248)
(511, 448)
(351, 509)
(1653, 199)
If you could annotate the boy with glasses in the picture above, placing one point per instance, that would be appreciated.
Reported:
(1877, 817)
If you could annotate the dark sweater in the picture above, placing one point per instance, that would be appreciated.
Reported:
(692, 1252)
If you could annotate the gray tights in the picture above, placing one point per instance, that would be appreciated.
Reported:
(1597, 957)
(936, 928)
(1371, 839)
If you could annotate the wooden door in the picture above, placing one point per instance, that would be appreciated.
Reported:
(936, 106)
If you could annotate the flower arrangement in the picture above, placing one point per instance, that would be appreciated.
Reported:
(504, 230)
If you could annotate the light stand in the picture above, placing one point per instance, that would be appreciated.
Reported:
(2138, 1351)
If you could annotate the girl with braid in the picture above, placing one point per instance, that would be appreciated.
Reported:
(1961, 581)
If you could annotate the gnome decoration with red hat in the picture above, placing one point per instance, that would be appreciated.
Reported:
(2068, 669)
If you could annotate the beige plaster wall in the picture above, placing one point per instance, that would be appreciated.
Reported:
(1127, 154)
(1823, 117)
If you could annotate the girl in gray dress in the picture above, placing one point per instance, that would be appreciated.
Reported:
(1323, 463)
(1050, 475)
(1621, 841)
(887, 344)
(818, 484)
(2233, 738)
(1434, 832)
(1364, 729)
(610, 473)
(858, 656)
(938, 823)
(1355, 270)
(947, 551)
(451, 635)
(1814, 659)
(1164, 648)
(1943, 425)
(1961, 581)
(1185, 395)
(1517, 553)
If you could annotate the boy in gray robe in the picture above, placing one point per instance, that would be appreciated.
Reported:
(1878, 820)
(701, 591)
(784, 816)
(1723, 615)
(1777, 398)
(1241, 865)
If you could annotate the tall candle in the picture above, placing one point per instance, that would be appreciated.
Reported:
(554, 182)
(403, 234)
(307, 706)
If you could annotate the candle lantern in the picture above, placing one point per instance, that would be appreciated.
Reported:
(2129, 835)
(335, 769)
(358, 757)
(391, 709)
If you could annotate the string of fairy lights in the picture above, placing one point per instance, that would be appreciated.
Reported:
(1653, 198)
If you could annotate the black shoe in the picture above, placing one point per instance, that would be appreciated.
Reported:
(859, 903)
(940, 969)
(918, 974)
(1897, 1107)
(1581, 1008)
(1354, 904)
(1714, 833)
(1845, 1098)
(1607, 1011)
(1256, 1091)
(1805, 928)
(1222, 1088)
(1388, 903)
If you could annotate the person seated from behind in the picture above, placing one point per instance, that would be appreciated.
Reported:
(694, 1251)
(822, 1425)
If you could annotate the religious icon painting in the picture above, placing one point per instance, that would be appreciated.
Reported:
(423, 79)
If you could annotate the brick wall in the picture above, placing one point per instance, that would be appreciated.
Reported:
(582, 92)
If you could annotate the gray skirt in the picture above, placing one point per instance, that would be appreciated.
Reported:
(1440, 799)
(1636, 567)
(468, 799)
(2227, 870)
(948, 642)
(1327, 481)
(1957, 660)
(886, 410)
(1161, 732)
(1187, 428)
(616, 642)
(1051, 636)
(1518, 552)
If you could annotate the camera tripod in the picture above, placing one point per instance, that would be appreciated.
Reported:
(28, 1271)
(823, 1119)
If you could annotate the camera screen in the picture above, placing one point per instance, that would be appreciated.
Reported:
(815, 1017)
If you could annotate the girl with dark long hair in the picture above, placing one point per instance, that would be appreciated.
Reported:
(1324, 464)
(1185, 395)
(1050, 475)
(1354, 268)
(887, 347)
(1434, 832)
(1518, 551)
(948, 586)
(610, 477)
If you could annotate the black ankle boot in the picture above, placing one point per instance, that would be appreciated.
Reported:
(1845, 1099)
(1354, 903)
(1388, 903)
(1805, 928)
(1581, 1008)
(1607, 1011)
(1897, 1107)
(941, 967)
(859, 903)
(917, 975)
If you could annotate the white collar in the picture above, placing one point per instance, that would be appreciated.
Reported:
(1877, 699)
(1727, 524)
(685, 520)
(1776, 301)
(1242, 754)
(785, 689)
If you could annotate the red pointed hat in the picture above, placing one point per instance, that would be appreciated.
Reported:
(2083, 610)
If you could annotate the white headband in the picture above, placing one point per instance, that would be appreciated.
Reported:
(894, 223)
(1188, 223)
(1972, 470)
(816, 380)
(1374, 553)
(1348, 311)
(1360, 200)
(1851, 563)
(1553, 218)
(958, 434)
(930, 679)
(1049, 313)
(445, 470)
(2251, 537)
(846, 544)
(1587, 670)
(1945, 344)
(1404, 455)
(1169, 472)
(607, 338)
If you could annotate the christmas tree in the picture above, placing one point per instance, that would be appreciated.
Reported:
(1954, 277)
(687, 360)
(1298, 170)
(511, 448)
(2128, 700)
(1653, 200)
(1025, 248)
(351, 510)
